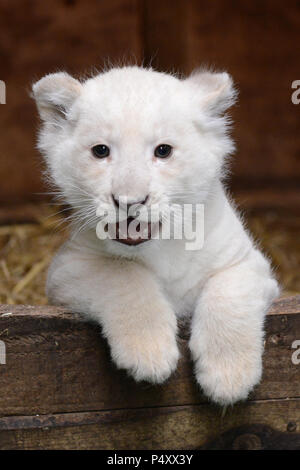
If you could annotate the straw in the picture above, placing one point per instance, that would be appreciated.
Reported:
(26, 251)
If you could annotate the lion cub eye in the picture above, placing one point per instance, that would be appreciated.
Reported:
(163, 151)
(100, 151)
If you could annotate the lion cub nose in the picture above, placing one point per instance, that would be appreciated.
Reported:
(128, 204)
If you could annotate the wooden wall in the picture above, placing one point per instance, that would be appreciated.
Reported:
(256, 41)
(39, 37)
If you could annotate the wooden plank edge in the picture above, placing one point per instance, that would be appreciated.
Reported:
(282, 306)
(83, 418)
(273, 424)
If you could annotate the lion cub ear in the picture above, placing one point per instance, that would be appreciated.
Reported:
(54, 95)
(214, 91)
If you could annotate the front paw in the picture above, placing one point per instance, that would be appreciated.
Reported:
(226, 380)
(146, 356)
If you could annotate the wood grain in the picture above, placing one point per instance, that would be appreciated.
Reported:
(62, 391)
(57, 363)
(250, 425)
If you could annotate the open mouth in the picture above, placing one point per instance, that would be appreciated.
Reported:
(132, 232)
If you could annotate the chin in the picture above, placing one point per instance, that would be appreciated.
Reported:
(116, 248)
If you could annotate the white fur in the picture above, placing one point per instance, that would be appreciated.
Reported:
(137, 292)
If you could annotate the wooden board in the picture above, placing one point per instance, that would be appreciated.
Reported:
(62, 391)
(181, 427)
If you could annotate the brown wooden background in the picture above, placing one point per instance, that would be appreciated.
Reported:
(257, 41)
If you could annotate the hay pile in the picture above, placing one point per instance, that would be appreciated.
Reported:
(25, 253)
(278, 234)
(26, 250)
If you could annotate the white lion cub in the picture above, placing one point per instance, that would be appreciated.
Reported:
(154, 139)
